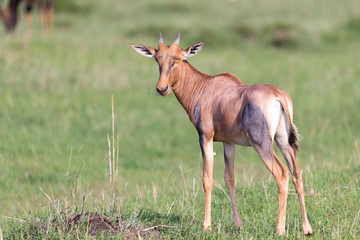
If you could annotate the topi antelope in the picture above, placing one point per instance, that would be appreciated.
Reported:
(224, 109)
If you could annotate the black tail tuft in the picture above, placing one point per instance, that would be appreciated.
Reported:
(294, 137)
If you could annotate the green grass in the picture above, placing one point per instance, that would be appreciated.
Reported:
(55, 108)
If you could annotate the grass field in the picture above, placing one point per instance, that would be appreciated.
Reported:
(55, 115)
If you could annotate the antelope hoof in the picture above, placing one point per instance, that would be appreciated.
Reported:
(307, 230)
(206, 227)
(280, 231)
(237, 224)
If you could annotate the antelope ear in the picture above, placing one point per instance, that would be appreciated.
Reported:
(193, 50)
(144, 50)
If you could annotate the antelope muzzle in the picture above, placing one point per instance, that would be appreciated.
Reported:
(162, 91)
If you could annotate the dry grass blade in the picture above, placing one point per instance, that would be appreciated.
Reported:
(219, 229)
(218, 185)
(170, 209)
(154, 186)
(113, 157)
(15, 219)
(113, 138)
(53, 204)
(157, 226)
(356, 220)
(110, 163)
(312, 193)
(357, 149)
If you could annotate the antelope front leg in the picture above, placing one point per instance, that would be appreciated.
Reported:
(208, 164)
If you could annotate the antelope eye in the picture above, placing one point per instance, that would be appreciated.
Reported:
(158, 58)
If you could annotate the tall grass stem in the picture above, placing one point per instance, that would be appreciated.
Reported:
(113, 157)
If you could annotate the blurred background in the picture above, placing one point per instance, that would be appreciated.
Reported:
(56, 85)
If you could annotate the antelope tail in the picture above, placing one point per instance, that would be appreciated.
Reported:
(294, 137)
(293, 133)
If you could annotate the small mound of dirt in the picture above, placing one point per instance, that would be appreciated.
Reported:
(98, 224)
(95, 222)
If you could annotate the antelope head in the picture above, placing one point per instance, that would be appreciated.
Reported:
(169, 59)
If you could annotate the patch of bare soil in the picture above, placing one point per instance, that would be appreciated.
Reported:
(98, 224)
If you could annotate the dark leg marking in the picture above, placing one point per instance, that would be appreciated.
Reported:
(197, 118)
(256, 126)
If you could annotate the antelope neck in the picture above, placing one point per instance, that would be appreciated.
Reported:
(188, 86)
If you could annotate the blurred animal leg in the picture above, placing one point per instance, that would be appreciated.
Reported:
(28, 15)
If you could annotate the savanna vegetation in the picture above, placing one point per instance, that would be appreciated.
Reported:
(56, 120)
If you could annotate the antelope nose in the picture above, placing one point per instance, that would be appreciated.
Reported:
(162, 91)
